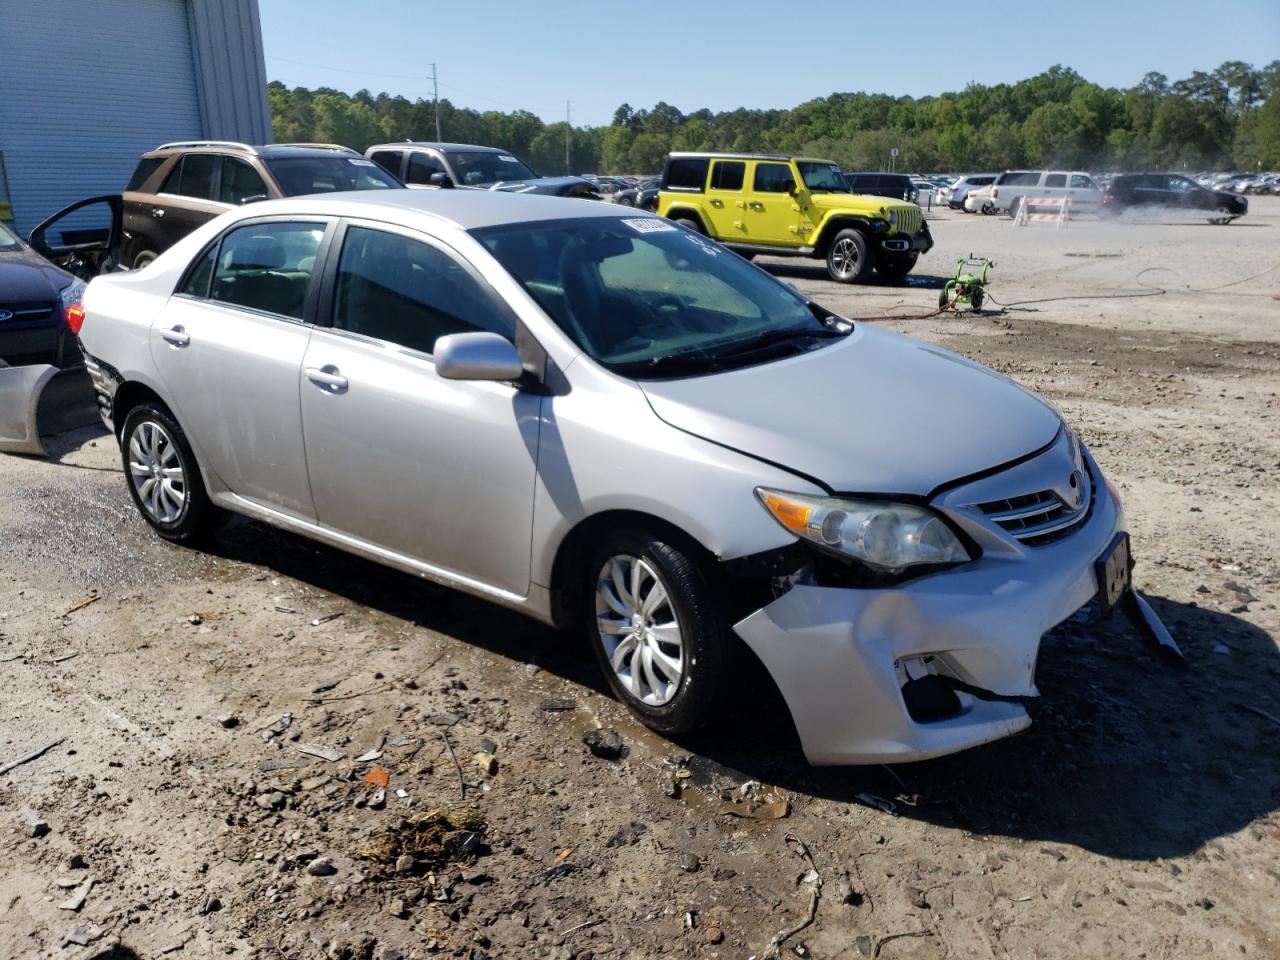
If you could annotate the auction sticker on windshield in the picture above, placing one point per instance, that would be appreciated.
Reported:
(505, 159)
(360, 163)
(649, 225)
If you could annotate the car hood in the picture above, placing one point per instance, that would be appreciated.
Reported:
(556, 186)
(864, 202)
(26, 277)
(873, 413)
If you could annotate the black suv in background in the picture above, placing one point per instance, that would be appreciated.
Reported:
(179, 186)
(467, 165)
(896, 186)
(1169, 191)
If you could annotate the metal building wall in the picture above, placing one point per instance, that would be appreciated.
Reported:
(231, 72)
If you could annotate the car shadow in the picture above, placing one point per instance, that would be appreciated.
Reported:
(1126, 757)
(792, 270)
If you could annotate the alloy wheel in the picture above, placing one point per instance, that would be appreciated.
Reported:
(636, 622)
(157, 473)
(844, 257)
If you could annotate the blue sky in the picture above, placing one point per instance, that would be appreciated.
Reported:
(723, 54)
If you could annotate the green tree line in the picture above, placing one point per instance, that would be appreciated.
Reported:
(1228, 118)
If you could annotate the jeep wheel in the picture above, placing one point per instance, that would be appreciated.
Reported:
(848, 257)
(688, 224)
(896, 267)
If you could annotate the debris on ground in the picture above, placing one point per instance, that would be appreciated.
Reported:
(605, 744)
(28, 757)
(434, 839)
(331, 754)
(77, 899)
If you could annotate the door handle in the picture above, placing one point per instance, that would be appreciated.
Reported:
(327, 377)
(717, 203)
(757, 205)
(176, 336)
(157, 212)
(740, 203)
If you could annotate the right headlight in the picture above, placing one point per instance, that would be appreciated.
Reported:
(887, 537)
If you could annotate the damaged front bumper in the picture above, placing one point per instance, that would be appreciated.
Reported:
(841, 656)
(41, 398)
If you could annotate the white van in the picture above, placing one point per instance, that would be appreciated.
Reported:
(1013, 185)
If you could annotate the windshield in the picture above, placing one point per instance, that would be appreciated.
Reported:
(646, 298)
(475, 167)
(7, 239)
(302, 175)
(822, 177)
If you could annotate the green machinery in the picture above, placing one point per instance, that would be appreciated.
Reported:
(968, 288)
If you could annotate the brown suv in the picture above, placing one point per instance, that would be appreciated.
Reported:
(179, 186)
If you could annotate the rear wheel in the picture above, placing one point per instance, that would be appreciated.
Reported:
(655, 626)
(848, 257)
(896, 267)
(689, 224)
(142, 259)
(163, 477)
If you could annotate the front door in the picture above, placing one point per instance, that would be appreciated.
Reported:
(726, 199)
(441, 471)
(773, 215)
(229, 345)
(1082, 191)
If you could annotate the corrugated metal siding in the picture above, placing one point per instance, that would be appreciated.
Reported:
(231, 72)
(87, 87)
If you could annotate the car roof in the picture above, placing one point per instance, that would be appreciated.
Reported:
(466, 209)
(403, 144)
(267, 151)
(700, 154)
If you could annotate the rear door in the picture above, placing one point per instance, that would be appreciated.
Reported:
(438, 470)
(772, 215)
(186, 199)
(726, 199)
(1053, 185)
(228, 347)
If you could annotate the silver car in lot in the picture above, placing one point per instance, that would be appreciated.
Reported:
(604, 420)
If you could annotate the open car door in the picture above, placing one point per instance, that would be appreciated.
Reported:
(84, 238)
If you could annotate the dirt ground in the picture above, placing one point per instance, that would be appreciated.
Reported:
(1139, 817)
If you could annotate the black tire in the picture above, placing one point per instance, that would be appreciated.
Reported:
(897, 266)
(697, 610)
(689, 224)
(197, 516)
(849, 257)
(988, 208)
(1223, 217)
(144, 258)
(1014, 204)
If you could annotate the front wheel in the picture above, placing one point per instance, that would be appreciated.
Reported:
(1222, 216)
(896, 267)
(657, 631)
(848, 257)
(164, 479)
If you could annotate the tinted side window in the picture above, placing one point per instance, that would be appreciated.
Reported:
(197, 282)
(408, 293)
(143, 171)
(1019, 178)
(772, 178)
(267, 266)
(727, 175)
(421, 167)
(192, 177)
(1056, 180)
(239, 182)
(388, 160)
(685, 173)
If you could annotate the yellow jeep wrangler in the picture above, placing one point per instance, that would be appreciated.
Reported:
(792, 207)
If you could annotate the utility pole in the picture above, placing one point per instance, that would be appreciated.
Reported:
(435, 89)
(567, 129)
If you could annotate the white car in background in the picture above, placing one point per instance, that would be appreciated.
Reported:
(979, 201)
(954, 197)
(1012, 186)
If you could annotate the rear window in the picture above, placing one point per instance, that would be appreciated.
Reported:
(685, 173)
(192, 177)
(142, 173)
(862, 180)
(1019, 178)
(299, 176)
(980, 181)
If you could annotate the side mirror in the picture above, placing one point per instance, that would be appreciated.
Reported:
(440, 180)
(477, 356)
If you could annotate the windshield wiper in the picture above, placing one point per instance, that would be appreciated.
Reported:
(768, 338)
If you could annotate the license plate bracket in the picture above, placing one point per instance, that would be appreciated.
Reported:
(1114, 572)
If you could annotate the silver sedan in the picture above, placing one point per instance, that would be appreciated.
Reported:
(610, 422)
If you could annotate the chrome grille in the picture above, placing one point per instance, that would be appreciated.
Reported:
(27, 312)
(1041, 517)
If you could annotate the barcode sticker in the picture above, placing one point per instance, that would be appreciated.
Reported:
(649, 225)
